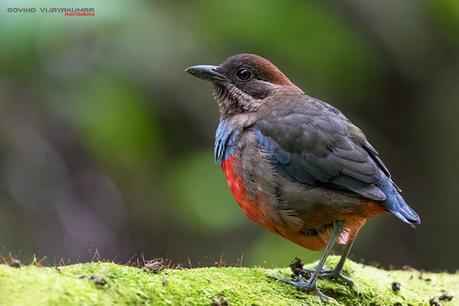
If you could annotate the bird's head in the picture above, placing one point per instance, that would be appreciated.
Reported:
(243, 82)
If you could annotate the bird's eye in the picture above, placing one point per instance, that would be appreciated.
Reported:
(244, 74)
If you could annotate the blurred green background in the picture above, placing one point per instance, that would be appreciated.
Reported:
(105, 142)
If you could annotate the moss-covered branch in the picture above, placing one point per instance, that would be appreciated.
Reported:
(109, 283)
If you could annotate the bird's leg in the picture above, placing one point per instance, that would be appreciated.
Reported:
(337, 272)
(311, 283)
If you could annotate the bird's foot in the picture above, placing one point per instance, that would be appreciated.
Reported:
(331, 274)
(335, 274)
(306, 286)
(308, 272)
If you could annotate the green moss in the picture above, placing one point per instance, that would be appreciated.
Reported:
(81, 284)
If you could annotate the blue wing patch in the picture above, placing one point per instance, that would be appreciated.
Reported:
(270, 145)
(225, 141)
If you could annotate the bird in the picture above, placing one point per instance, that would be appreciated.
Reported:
(297, 165)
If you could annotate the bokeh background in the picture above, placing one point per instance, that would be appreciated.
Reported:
(106, 144)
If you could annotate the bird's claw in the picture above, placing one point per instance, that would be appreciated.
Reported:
(306, 286)
(311, 271)
(331, 274)
(328, 274)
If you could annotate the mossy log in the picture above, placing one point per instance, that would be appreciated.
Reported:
(104, 283)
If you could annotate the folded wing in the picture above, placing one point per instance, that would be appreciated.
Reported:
(313, 143)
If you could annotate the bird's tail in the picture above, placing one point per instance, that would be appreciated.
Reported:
(396, 204)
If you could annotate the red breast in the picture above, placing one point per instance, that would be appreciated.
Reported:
(236, 184)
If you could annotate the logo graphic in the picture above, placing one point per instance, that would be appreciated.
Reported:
(66, 11)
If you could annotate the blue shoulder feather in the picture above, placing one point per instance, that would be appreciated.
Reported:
(225, 141)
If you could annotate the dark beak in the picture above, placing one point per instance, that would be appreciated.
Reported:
(207, 72)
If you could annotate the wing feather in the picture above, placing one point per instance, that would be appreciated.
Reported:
(313, 143)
